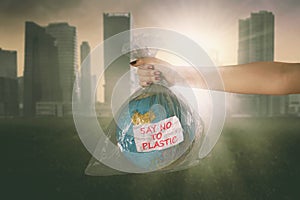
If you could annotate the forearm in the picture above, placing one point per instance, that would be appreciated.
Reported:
(292, 78)
(272, 78)
(254, 78)
(203, 77)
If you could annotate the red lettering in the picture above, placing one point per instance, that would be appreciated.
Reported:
(168, 125)
(162, 143)
(162, 127)
(148, 130)
(158, 135)
(174, 139)
(145, 144)
(154, 126)
(153, 137)
(142, 130)
(156, 145)
(157, 142)
(167, 141)
(165, 126)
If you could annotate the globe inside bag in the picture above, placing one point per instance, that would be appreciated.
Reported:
(156, 130)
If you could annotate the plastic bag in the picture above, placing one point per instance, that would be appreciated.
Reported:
(155, 130)
(109, 155)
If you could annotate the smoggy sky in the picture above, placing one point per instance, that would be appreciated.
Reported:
(213, 24)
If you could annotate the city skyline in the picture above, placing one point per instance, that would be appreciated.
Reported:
(216, 22)
(52, 45)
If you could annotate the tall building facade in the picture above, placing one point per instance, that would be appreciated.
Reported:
(115, 23)
(66, 42)
(85, 50)
(41, 70)
(256, 43)
(8, 64)
(256, 38)
(8, 83)
(86, 76)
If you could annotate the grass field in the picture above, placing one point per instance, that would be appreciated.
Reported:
(254, 159)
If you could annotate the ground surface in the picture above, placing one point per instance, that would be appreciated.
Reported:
(254, 159)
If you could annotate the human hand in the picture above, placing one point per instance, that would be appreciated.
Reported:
(153, 70)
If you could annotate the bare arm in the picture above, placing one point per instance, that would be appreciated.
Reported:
(272, 78)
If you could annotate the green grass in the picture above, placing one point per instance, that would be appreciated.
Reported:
(254, 159)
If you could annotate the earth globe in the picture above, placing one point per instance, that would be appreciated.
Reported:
(157, 129)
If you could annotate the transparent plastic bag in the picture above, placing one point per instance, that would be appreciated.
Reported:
(156, 130)
(114, 148)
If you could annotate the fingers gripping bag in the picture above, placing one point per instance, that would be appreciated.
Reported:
(156, 131)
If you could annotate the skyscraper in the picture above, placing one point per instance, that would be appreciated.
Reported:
(8, 83)
(66, 42)
(256, 38)
(8, 64)
(86, 76)
(41, 71)
(256, 43)
(84, 51)
(115, 23)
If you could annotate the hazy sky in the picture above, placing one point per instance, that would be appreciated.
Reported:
(213, 24)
